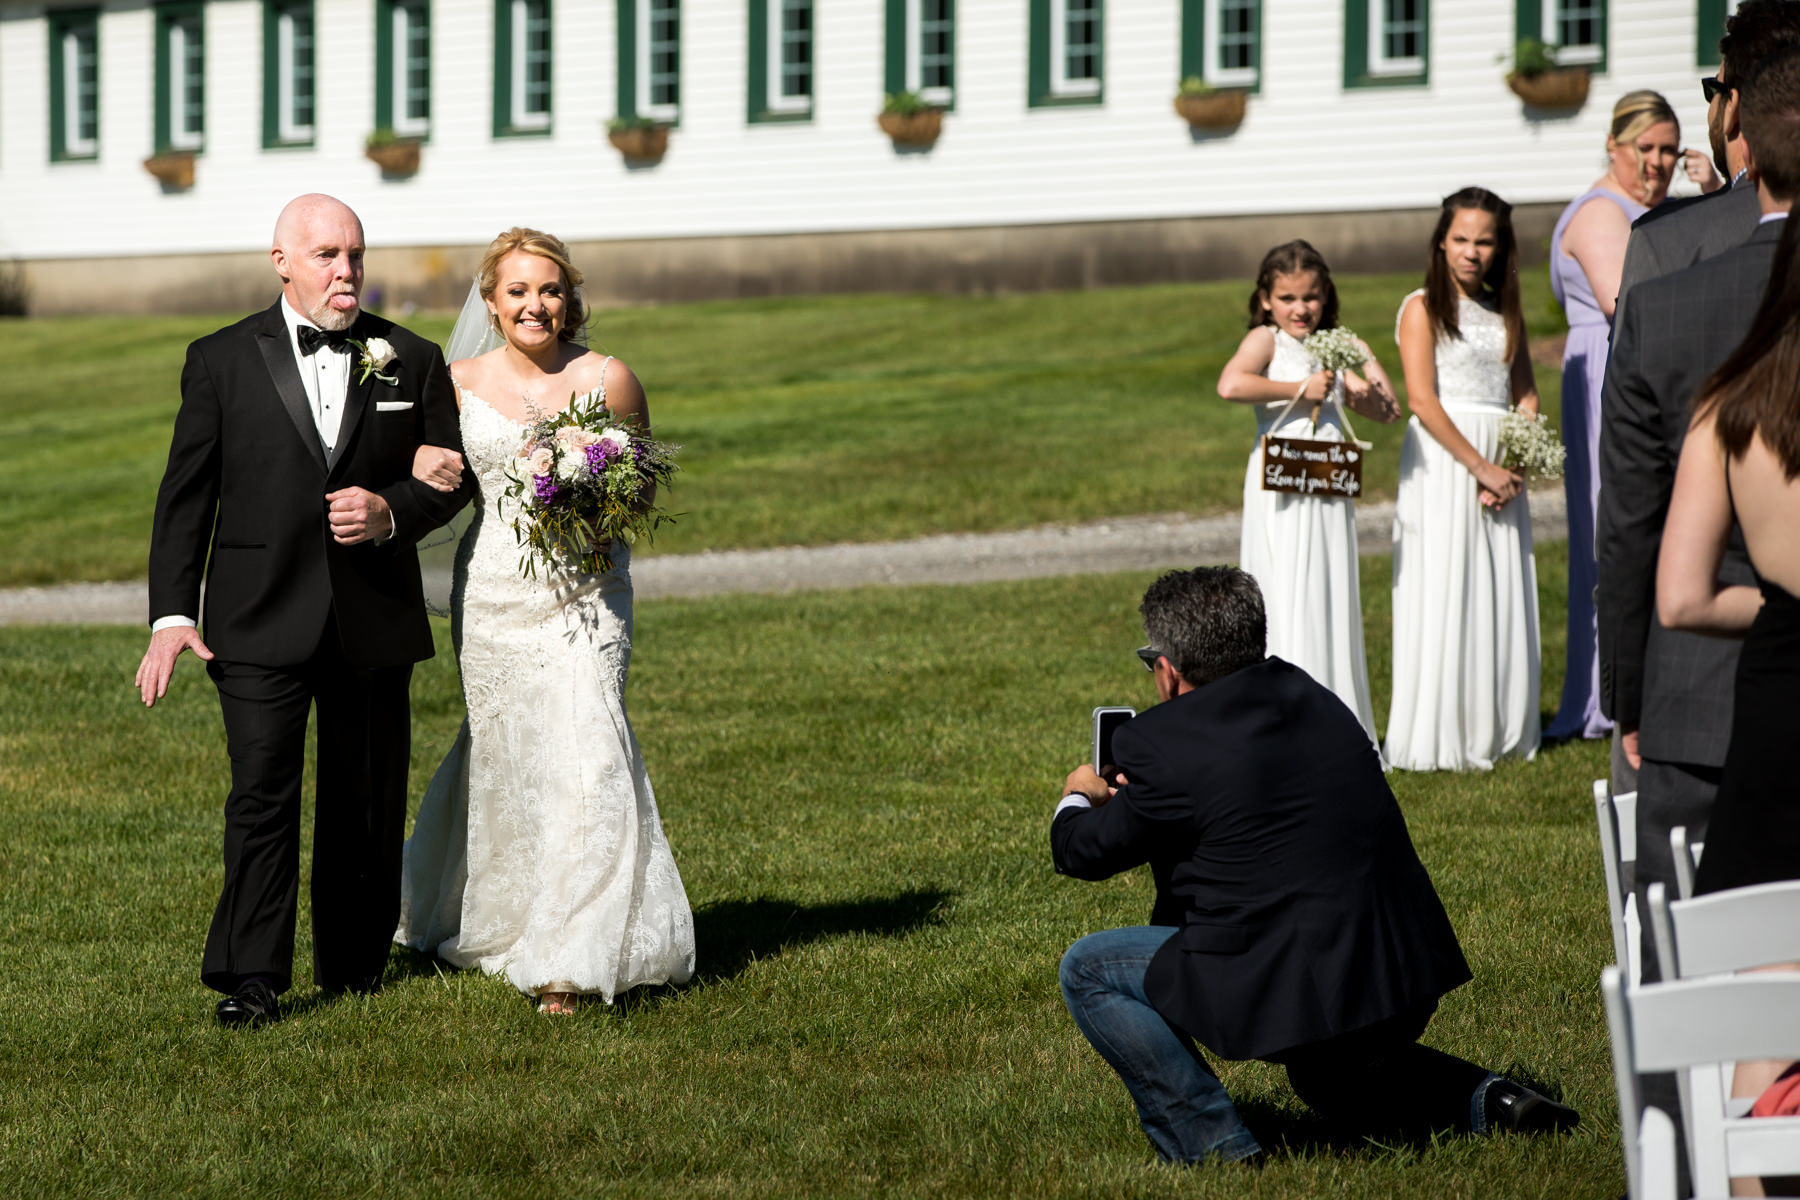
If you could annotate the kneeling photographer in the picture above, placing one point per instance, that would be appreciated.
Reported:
(1293, 923)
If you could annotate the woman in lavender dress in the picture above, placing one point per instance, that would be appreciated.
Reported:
(1587, 256)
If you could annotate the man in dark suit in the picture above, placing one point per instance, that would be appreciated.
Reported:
(290, 489)
(1673, 690)
(1679, 233)
(1301, 927)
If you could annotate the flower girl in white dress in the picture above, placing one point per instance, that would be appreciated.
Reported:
(1302, 549)
(1465, 582)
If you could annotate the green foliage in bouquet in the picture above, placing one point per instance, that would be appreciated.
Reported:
(580, 480)
(1336, 349)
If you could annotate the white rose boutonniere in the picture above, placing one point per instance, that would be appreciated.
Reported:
(377, 355)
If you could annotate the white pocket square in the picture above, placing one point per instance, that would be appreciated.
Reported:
(392, 405)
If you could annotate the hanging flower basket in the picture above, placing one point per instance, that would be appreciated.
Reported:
(1558, 89)
(1219, 110)
(640, 143)
(174, 169)
(915, 129)
(398, 159)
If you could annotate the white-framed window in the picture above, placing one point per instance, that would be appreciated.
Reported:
(80, 53)
(1577, 28)
(1232, 28)
(658, 59)
(411, 68)
(187, 82)
(1396, 37)
(931, 50)
(790, 60)
(530, 64)
(1075, 49)
(294, 83)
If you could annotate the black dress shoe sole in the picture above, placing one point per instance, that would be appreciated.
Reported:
(1540, 1114)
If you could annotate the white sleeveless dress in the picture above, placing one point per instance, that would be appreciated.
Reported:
(537, 851)
(1302, 549)
(1465, 581)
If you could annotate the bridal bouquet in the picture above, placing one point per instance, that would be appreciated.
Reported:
(1528, 445)
(578, 478)
(1336, 349)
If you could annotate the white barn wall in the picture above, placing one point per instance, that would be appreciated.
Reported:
(1307, 145)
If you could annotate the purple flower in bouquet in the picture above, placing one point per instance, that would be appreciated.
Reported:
(544, 487)
(600, 455)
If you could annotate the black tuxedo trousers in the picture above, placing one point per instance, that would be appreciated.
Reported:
(359, 822)
(296, 621)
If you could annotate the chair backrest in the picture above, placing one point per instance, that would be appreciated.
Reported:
(1726, 931)
(1616, 817)
(1696, 1023)
(1687, 859)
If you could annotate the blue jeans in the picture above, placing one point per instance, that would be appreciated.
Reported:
(1181, 1104)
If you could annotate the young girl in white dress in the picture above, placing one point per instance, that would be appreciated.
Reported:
(1465, 582)
(1302, 549)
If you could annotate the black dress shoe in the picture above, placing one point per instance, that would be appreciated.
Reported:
(1518, 1109)
(251, 1005)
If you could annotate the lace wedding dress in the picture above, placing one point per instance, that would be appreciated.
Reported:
(1302, 549)
(538, 852)
(1465, 581)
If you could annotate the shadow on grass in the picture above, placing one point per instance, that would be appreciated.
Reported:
(732, 934)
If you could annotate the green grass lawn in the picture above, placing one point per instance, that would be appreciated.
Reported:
(857, 786)
(805, 421)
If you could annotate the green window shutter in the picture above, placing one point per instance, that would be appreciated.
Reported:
(627, 104)
(384, 64)
(1193, 39)
(1528, 20)
(757, 102)
(1708, 29)
(1037, 73)
(162, 122)
(893, 75)
(502, 67)
(271, 121)
(59, 143)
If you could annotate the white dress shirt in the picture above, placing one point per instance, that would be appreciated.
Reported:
(325, 376)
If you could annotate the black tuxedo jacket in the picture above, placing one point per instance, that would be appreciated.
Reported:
(1676, 234)
(1304, 911)
(242, 502)
(1673, 332)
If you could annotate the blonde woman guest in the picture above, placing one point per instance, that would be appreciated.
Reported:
(1465, 582)
(1587, 256)
(538, 852)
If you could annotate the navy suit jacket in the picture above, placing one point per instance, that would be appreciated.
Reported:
(1304, 911)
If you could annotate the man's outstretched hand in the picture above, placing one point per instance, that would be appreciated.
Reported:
(166, 646)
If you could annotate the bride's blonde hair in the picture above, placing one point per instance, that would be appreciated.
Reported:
(544, 245)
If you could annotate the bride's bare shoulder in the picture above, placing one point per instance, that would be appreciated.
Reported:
(470, 374)
(592, 369)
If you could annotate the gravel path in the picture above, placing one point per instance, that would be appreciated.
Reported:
(1120, 544)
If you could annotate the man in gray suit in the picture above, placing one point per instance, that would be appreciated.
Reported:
(1676, 687)
(1671, 237)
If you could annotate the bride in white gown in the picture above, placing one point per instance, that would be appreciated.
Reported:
(538, 852)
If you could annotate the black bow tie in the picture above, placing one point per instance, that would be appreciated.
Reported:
(311, 339)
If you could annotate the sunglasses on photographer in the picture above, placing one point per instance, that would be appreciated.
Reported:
(1148, 656)
(1712, 86)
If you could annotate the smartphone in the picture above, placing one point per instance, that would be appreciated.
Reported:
(1106, 721)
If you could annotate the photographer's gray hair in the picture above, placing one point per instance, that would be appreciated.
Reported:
(1208, 622)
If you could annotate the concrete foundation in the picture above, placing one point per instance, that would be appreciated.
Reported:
(994, 259)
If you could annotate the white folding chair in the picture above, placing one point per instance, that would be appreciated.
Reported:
(1722, 932)
(1656, 1157)
(1687, 859)
(1617, 819)
(1690, 1026)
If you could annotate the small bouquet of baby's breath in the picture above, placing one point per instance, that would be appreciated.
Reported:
(1529, 446)
(579, 478)
(1337, 349)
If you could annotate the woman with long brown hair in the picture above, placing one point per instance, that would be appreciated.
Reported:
(1587, 256)
(1465, 582)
